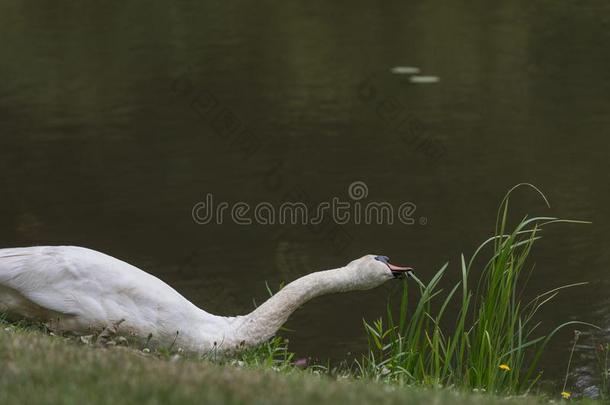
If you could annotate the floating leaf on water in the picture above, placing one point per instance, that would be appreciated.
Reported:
(405, 70)
(424, 79)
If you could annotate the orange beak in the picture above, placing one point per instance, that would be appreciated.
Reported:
(397, 271)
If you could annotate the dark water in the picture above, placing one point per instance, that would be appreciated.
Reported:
(110, 134)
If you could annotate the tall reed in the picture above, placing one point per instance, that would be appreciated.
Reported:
(495, 343)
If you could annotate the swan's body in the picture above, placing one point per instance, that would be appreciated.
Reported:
(81, 290)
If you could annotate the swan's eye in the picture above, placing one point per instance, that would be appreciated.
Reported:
(383, 259)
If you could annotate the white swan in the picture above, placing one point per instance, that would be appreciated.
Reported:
(81, 290)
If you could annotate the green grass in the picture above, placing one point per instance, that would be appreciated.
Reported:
(493, 343)
(38, 368)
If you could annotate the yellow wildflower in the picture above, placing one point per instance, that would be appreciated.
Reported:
(504, 367)
(566, 394)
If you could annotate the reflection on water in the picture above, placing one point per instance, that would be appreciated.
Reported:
(98, 148)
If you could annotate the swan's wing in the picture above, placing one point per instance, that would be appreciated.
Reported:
(83, 282)
(41, 275)
(72, 280)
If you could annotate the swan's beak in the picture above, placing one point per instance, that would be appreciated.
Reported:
(397, 271)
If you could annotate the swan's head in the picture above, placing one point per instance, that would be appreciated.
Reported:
(371, 271)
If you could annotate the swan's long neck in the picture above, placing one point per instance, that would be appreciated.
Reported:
(262, 323)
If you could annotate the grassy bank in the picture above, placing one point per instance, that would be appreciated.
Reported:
(38, 368)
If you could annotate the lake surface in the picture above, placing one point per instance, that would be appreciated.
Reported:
(115, 120)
